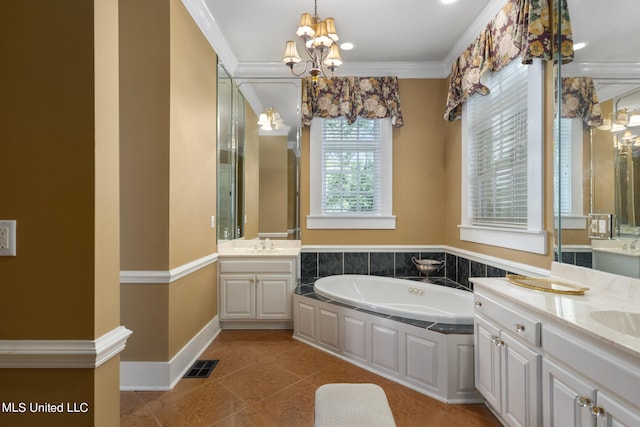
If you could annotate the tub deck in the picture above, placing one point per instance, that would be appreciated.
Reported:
(307, 291)
(435, 359)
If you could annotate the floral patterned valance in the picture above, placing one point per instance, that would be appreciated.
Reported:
(523, 28)
(579, 99)
(352, 97)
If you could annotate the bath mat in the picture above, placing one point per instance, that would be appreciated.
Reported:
(201, 369)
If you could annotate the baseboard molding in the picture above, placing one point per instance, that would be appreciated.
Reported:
(63, 353)
(165, 375)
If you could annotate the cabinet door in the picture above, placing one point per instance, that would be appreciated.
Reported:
(274, 297)
(521, 391)
(565, 397)
(237, 297)
(487, 362)
(616, 414)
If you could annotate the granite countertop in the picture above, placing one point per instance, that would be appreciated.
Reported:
(606, 292)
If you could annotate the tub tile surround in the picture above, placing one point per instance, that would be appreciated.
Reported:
(398, 263)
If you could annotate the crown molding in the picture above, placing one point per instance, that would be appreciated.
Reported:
(63, 353)
(602, 70)
(275, 69)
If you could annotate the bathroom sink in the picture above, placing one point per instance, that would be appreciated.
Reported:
(626, 322)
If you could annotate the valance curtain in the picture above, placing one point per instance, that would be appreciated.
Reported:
(579, 99)
(523, 28)
(352, 97)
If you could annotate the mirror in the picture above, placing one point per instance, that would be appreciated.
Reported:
(258, 167)
(230, 162)
(597, 180)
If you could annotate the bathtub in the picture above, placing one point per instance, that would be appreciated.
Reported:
(399, 297)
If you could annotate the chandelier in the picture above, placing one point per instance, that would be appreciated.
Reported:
(270, 119)
(319, 38)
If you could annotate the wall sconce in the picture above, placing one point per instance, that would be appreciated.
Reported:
(270, 119)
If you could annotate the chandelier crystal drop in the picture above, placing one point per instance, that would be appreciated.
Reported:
(319, 38)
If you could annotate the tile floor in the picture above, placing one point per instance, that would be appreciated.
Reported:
(266, 378)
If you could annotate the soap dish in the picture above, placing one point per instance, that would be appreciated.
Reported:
(546, 285)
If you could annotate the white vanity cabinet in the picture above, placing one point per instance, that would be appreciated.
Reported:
(256, 290)
(543, 358)
(508, 360)
(586, 385)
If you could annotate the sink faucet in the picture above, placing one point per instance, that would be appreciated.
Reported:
(633, 244)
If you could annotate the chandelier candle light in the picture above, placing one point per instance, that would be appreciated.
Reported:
(319, 38)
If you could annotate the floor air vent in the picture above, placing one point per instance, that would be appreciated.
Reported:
(201, 369)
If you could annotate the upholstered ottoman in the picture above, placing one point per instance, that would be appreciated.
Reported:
(352, 405)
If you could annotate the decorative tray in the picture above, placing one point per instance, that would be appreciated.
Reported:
(546, 285)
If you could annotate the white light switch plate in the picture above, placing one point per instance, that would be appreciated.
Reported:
(7, 238)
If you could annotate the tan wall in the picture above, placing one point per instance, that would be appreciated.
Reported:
(292, 177)
(192, 180)
(251, 174)
(419, 181)
(427, 180)
(168, 159)
(273, 184)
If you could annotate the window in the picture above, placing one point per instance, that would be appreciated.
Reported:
(567, 173)
(350, 174)
(502, 199)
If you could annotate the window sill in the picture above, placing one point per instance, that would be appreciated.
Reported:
(522, 240)
(352, 222)
(572, 222)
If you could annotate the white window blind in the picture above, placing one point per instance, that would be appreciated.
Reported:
(351, 167)
(497, 155)
(563, 167)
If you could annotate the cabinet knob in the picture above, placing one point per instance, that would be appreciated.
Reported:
(496, 340)
(583, 401)
(519, 327)
(596, 411)
(478, 303)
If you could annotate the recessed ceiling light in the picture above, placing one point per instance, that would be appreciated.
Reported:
(578, 46)
(448, 1)
(347, 45)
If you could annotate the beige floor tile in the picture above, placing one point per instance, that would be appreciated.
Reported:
(258, 381)
(265, 378)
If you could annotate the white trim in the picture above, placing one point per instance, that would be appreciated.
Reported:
(571, 222)
(165, 375)
(63, 353)
(274, 235)
(352, 222)
(167, 277)
(533, 239)
(386, 219)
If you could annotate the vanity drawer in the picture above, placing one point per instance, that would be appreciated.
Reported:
(257, 265)
(518, 324)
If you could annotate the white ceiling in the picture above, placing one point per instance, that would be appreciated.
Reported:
(405, 38)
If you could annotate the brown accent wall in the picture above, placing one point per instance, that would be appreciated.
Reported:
(59, 124)
(168, 180)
